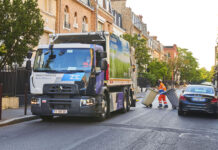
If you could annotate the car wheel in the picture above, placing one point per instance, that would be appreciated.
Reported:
(215, 115)
(181, 113)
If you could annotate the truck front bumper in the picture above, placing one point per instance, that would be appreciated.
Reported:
(85, 106)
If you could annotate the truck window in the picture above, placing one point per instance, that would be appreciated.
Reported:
(63, 60)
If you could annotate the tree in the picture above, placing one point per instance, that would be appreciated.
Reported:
(211, 73)
(159, 69)
(21, 26)
(188, 65)
(2, 50)
(141, 51)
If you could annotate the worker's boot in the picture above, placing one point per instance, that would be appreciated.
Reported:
(160, 106)
(166, 106)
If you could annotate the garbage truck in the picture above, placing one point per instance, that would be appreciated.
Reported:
(82, 74)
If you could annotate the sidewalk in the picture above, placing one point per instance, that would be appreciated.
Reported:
(12, 116)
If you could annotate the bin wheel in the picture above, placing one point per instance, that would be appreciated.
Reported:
(174, 107)
(150, 106)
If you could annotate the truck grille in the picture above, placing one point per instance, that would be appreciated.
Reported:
(60, 89)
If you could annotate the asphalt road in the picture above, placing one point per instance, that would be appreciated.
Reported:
(140, 129)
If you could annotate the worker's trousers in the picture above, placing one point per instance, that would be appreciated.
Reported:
(162, 98)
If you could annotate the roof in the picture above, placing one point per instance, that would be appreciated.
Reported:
(73, 45)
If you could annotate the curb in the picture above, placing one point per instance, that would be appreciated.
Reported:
(18, 120)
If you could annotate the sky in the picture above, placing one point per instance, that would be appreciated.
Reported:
(190, 24)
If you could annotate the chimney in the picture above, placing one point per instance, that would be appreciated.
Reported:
(140, 17)
(121, 2)
(155, 38)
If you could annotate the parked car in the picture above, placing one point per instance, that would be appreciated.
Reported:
(199, 98)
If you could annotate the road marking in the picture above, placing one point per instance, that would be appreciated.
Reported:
(75, 144)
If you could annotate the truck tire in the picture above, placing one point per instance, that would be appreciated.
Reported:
(105, 108)
(126, 104)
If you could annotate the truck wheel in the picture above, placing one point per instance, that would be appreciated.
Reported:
(46, 118)
(105, 109)
(126, 104)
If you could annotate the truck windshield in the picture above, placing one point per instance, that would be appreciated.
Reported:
(63, 60)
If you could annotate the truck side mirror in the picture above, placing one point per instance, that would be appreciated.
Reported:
(103, 55)
(104, 65)
(29, 54)
(28, 65)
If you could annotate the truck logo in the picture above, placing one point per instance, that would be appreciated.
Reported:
(73, 77)
(60, 88)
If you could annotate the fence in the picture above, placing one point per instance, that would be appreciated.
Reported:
(14, 81)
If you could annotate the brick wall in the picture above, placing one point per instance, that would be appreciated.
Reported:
(78, 9)
(171, 51)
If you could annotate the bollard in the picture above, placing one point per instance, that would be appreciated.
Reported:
(1, 91)
(25, 99)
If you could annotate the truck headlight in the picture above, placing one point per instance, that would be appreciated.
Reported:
(87, 102)
(36, 101)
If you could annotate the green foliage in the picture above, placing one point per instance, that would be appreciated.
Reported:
(21, 26)
(188, 67)
(151, 77)
(211, 73)
(159, 69)
(141, 51)
(2, 50)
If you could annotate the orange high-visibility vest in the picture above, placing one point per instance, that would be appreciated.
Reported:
(162, 87)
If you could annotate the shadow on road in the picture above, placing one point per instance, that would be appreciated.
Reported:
(83, 120)
(198, 115)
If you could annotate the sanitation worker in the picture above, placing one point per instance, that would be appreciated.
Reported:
(162, 89)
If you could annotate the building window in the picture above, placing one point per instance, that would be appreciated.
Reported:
(100, 26)
(47, 4)
(100, 2)
(119, 22)
(75, 24)
(87, 2)
(109, 6)
(85, 24)
(66, 18)
(105, 4)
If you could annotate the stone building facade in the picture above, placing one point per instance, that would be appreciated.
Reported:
(74, 16)
(48, 12)
(118, 24)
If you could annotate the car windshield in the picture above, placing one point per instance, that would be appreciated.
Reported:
(200, 89)
(63, 60)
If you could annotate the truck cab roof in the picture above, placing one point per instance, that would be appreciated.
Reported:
(73, 45)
